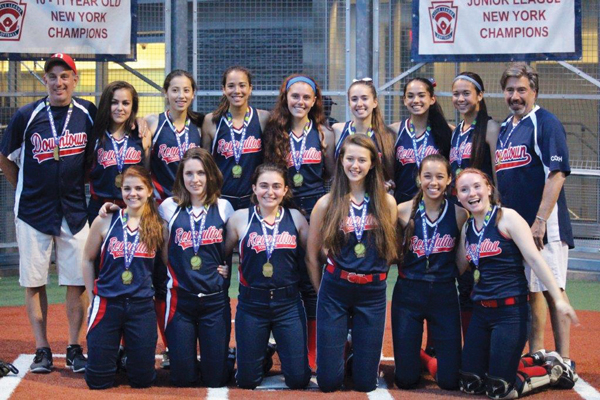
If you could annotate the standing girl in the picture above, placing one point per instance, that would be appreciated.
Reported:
(425, 132)
(197, 304)
(233, 135)
(354, 226)
(174, 131)
(270, 235)
(116, 146)
(497, 240)
(426, 288)
(121, 296)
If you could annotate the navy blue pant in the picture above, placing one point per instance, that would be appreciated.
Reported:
(205, 320)
(258, 313)
(133, 319)
(366, 304)
(495, 340)
(412, 303)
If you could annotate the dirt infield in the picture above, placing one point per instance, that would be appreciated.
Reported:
(16, 339)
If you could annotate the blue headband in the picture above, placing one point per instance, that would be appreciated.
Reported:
(301, 79)
(468, 78)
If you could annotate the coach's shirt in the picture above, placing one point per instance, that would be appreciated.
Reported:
(48, 190)
(526, 154)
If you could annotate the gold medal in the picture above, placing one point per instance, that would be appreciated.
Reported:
(196, 262)
(119, 180)
(458, 171)
(360, 250)
(267, 270)
(476, 275)
(237, 171)
(57, 153)
(298, 180)
(127, 277)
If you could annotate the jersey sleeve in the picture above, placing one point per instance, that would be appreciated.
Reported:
(225, 210)
(13, 137)
(167, 209)
(552, 140)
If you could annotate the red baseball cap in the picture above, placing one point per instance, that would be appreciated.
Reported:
(60, 58)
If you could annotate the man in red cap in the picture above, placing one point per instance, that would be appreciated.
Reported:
(42, 155)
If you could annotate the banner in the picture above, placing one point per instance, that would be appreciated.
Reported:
(92, 27)
(496, 30)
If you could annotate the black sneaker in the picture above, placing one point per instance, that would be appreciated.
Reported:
(42, 362)
(165, 363)
(75, 358)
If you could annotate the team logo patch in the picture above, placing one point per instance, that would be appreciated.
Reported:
(283, 241)
(454, 153)
(370, 223)
(251, 145)
(210, 235)
(512, 157)
(407, 155)
(444, 244)
(70, 144)
(107, 158)
(12, 15)
(116, 247)
(170, 154)
(310, 156)
(443, 16)
(487, 249)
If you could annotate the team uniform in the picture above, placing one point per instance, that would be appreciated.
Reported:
(347, 131)
(105, 169)
(197, 303)
(352, 287)
(237, 190)
(269, 300)
(426, 290)
(122, 309)
(406, 165)
(50, 195)
(526, 154)
(166, 153)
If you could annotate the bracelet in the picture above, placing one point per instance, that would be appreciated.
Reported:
(541, 219)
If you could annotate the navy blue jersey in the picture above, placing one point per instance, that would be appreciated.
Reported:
(252, 155)
(165, 157)
(347, 132)
(500, 263)
(461, 148)
(285, 257)
(48, 190)
(112, 264)
(405, 167)
(181, 276)
(525, 155)
(347, 260)
(313, 164)
(442, 261)
(104, 165)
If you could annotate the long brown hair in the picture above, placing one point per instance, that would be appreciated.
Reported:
(194, 117)
(383, 135)
(223, 106)
(409, 229)
(287, 201)
(151, 227)
(276, 135)
(214, 178)
(384, 232)
(494, 197)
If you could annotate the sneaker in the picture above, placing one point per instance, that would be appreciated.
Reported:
(568, 377)
(75, 358)
(42, 362)
(165, 363)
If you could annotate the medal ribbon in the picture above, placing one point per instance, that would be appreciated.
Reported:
(128, 255)
(462, 146)
(369, 133)
(475, 254)
(359, 229)
(197, 235)
(186, 130)
(508, 135)
(53, 126)
(119, 157)
(269, 245)
(419, 156)
(238, 147)
(429, 244)
(299, 158)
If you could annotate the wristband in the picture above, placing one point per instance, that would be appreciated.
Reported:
(541, 219)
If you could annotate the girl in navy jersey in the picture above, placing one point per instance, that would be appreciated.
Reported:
(353, 227)
(174, 131)
(115, 145)
(197, 304)
(121, 296)
(497, 240)
(270, 235)
(367, 120)
(425, 132)
(426, 288)
(233, 135)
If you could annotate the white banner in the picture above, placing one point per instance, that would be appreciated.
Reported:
(488, 27)
(65, 26)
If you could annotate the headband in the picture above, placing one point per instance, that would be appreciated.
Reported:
(302, 79)
(468, 78)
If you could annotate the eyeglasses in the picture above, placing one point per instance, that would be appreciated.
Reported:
(362, 80)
